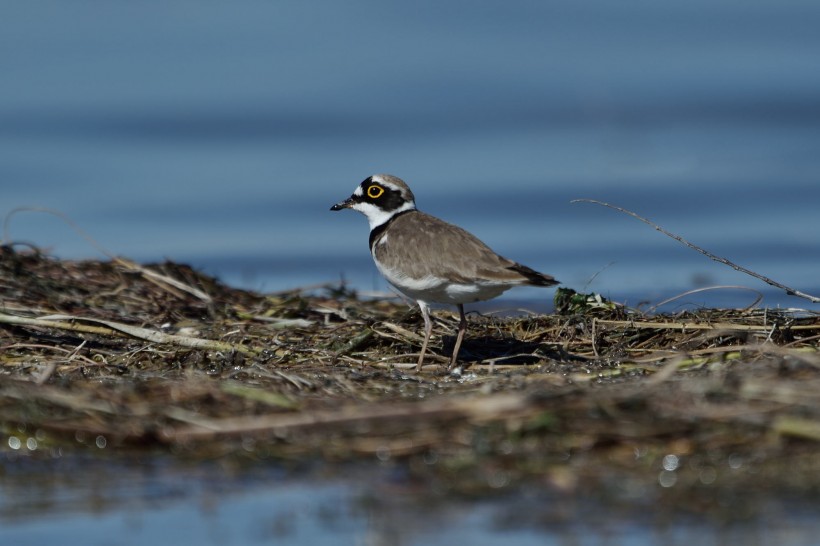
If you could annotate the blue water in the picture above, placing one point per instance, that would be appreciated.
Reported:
(219, 134)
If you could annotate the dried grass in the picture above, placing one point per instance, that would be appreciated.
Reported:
(162, 357)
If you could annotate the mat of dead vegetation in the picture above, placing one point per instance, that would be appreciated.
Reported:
(122, 357)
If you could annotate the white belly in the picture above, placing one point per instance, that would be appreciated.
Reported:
(437, 290)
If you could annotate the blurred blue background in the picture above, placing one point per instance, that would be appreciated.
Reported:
(219, 134)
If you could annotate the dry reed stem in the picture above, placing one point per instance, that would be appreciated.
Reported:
(67, 322)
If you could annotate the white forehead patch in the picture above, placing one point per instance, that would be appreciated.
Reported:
(358, 191)
(377, 178)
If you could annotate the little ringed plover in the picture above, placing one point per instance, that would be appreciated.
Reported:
(428, 259)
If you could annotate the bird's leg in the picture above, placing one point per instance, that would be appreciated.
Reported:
(428, 328)
(462, 327)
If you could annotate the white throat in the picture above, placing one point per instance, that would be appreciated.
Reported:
(376, 216)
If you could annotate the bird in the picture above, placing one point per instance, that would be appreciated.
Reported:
(430, 260)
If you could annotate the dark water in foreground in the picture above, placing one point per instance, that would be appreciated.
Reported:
(156, 501)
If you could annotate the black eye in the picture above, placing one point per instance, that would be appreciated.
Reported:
(374, 191)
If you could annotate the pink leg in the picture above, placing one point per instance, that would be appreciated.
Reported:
(428, 328)
(462, 327)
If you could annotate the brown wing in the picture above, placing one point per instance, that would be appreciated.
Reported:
(459, 255)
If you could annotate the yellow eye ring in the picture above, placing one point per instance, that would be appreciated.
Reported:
(374, 192)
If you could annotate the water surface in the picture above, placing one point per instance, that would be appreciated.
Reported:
(220, 135)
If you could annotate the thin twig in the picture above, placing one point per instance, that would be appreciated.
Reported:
(53, 364)
(724, 261)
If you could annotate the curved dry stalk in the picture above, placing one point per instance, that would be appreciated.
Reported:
(724, 261)
(705, 289)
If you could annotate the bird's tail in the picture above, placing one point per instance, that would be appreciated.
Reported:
(533, 277)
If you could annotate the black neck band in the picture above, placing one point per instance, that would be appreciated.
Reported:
(376, 232)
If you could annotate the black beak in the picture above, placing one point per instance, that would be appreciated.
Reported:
(343, 205)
